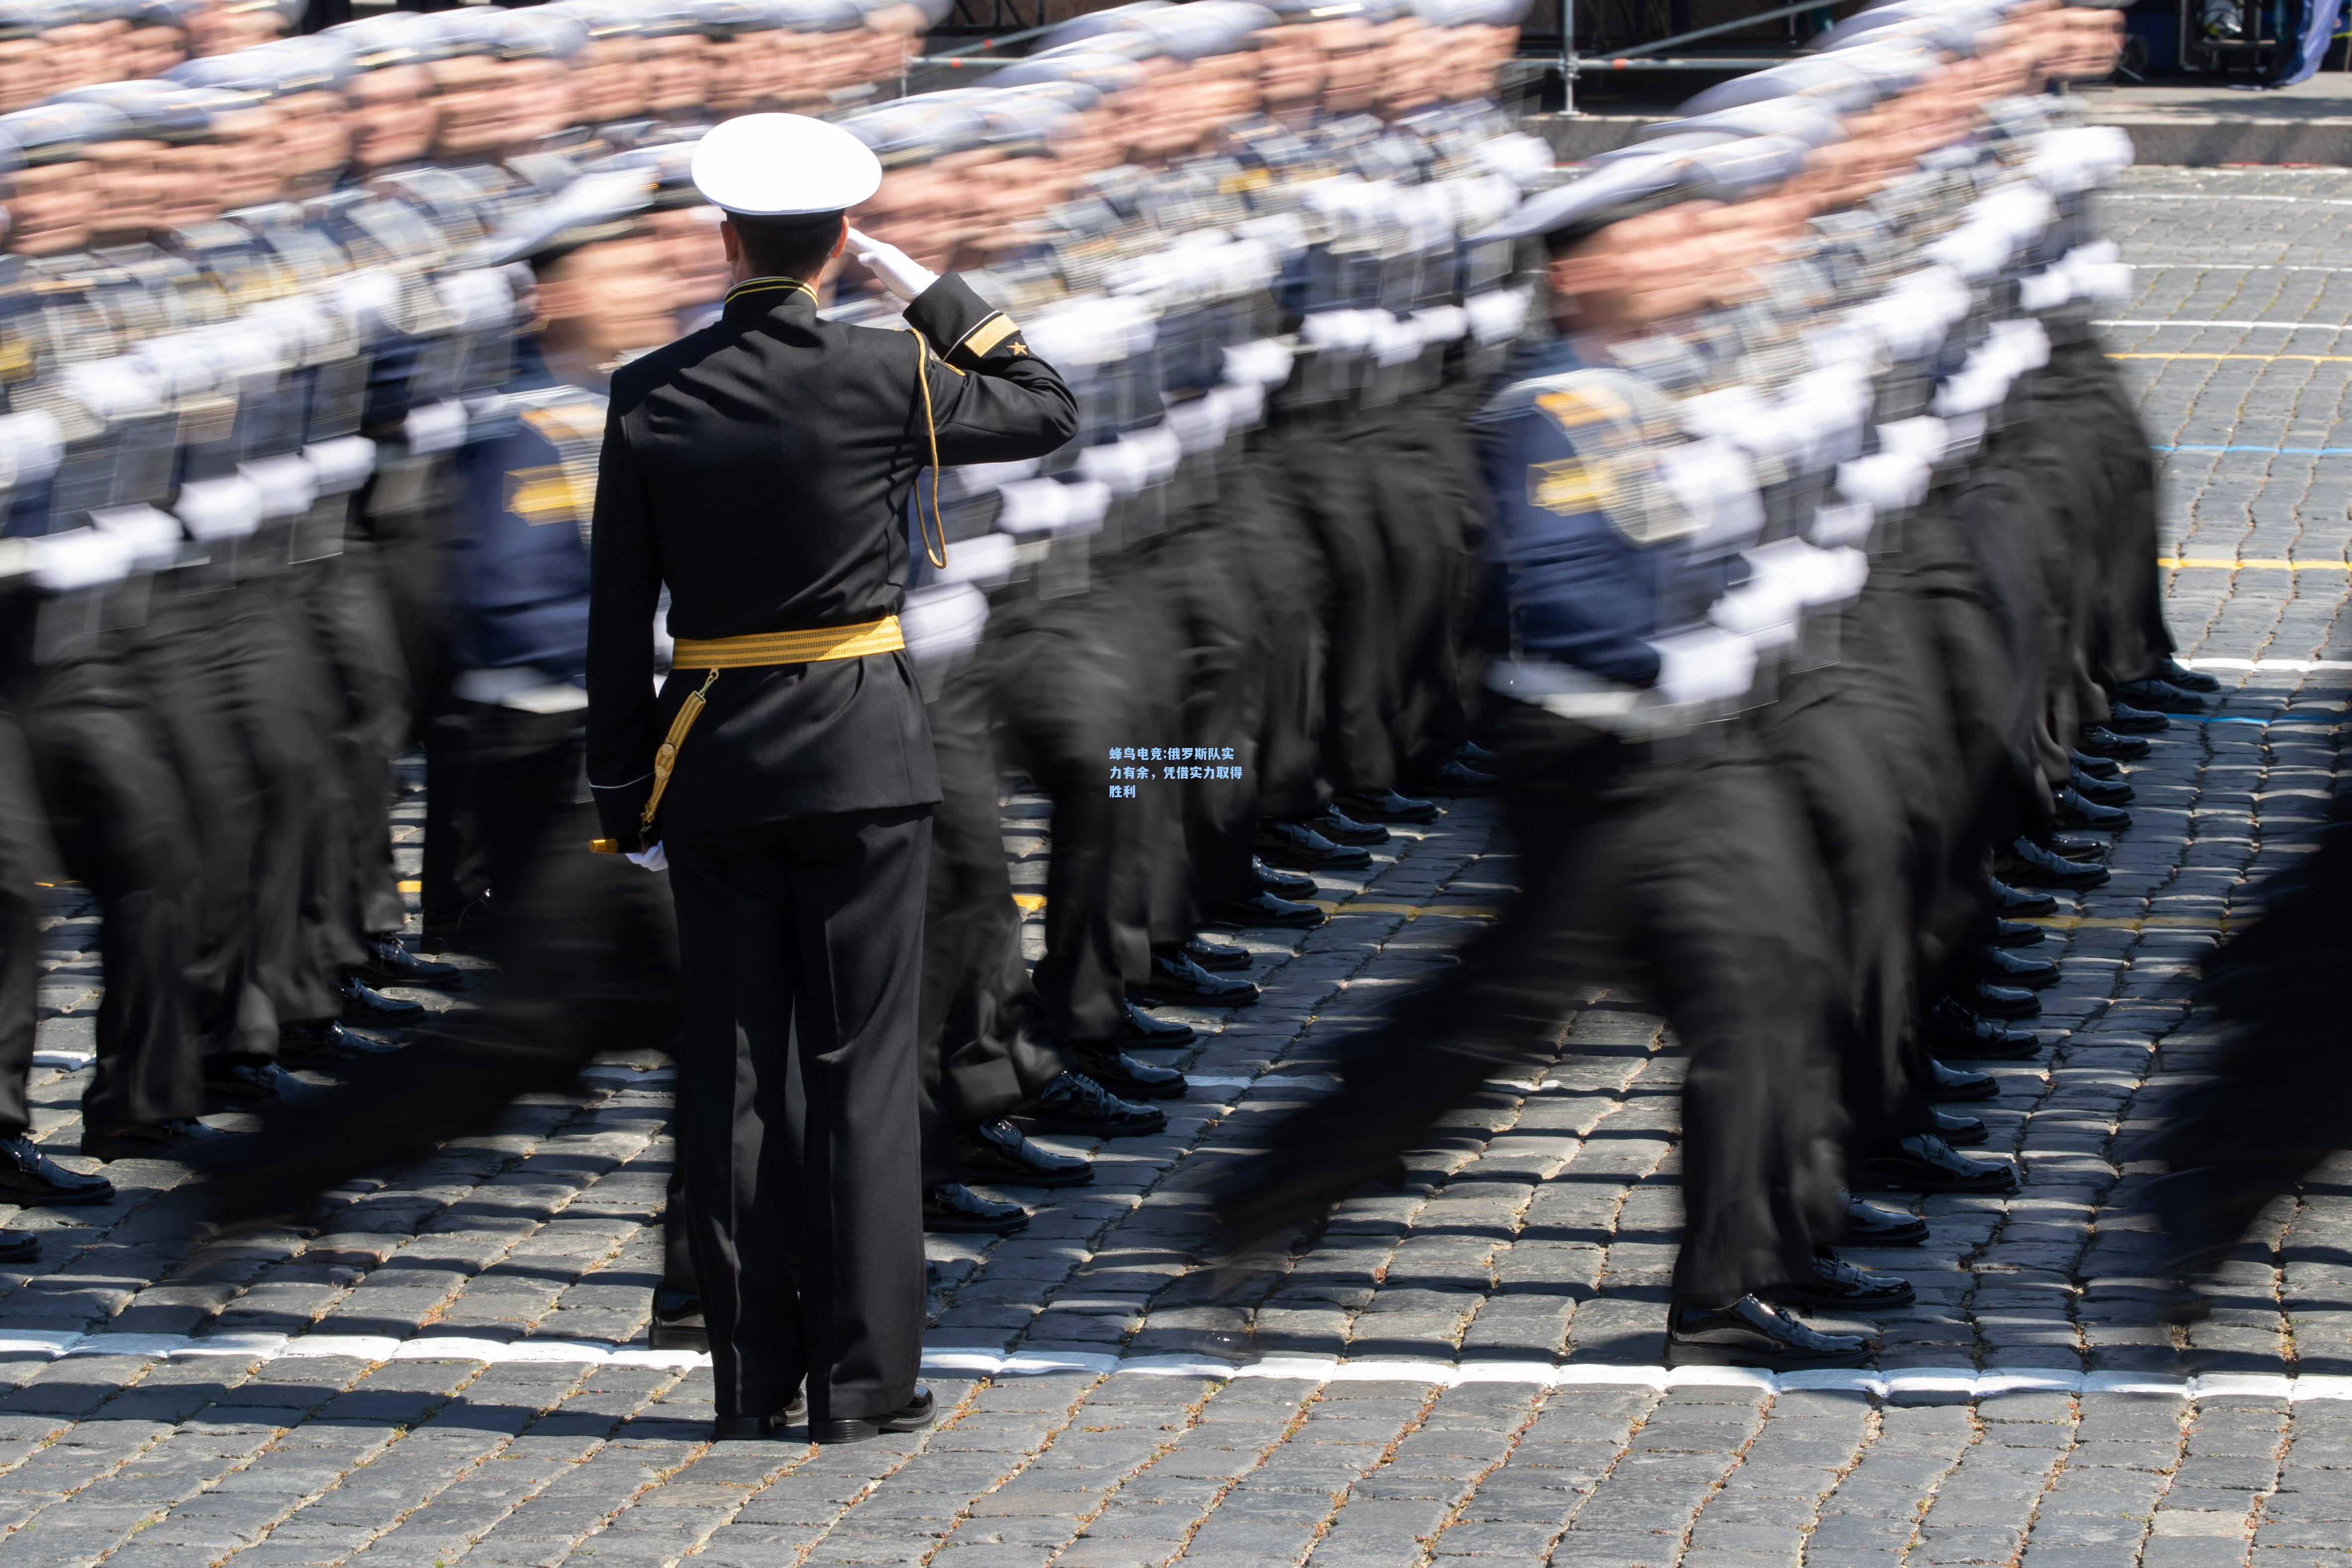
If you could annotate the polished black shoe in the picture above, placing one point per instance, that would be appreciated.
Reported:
(389, 963)
(2017, 903)
(1128, 1077)
(232, 1083)
(1960, 1132)
(1297, 845)
(19, 1246)
(677, 1321)
(2160, 697)
(2124, 719)
(761, 1428)
(2008, 969)
(951, 1208)
(1754, 1332)
(2028, 865)
(1986, 999)
(2015, 934)
(2067, 846)
(1342, 829)
(325, 1039)
(1176, 979)
(912, 1417)
(2076, 809)
(1387, 806)
(1264, 909)
(996, 1153)
(2106, 769)
(1960, 1085)
(1869, 1224)
(1281, 884)
(2172, 671)
(1841, 1286)
(467, 931)
(1953, 1030)
(2107, 791)
(29, 1178)
(2100, 741)
(364, 1004)
(147, 1140)
(1075, 1103)
(1457, 777)
(1924, 1163)
(1139, 1028)
(1218, 958)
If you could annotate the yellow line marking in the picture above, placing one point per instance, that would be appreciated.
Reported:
(412, 887)
(2223, 563)
(1030, 902)
(2311, 359)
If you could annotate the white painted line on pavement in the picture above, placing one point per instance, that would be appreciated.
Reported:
(2283, 326)
(2304, 666)
(974, 1361)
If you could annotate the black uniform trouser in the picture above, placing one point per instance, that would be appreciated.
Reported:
(120, 824)
(1335, 494)
(801, 951)
(1689, 876)
(1421, 504)
(20, 934)
(351, 625)
(1280, 577)
(2129, 636)
(1219, 692)
(981, 1054)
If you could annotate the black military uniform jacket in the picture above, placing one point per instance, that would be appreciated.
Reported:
(762, 467)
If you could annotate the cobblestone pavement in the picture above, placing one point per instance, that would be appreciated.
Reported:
(1463, 1368)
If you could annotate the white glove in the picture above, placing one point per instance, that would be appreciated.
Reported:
(1703, 664)
(899, 272)
(653, 859)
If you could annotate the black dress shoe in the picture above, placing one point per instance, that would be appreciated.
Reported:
(29, 1178)
(2077, 810)
(1960, 1086)
(467, 931)
(2015, 934)
(2124, 719)
(911, 1416)
(1139, 1028)
(2010, 970)
(1342, 829)
(1387, 806)
(146, 1140)
(1875, 1224)
(364, 1004)
(2101, 741)
(1953, 1030)
(2104, 768)
(2160, 697)
(761, 1428)
(2028, 865)
(1986, 999)
(1264, 909)
(1281, 884)
(952, 1208)
(1455, 776)
(325, 1039)
(250, 1083)
(1127, 1077)
(2017, 903)
(389, 963)
(19, 1246)
(1840, 1285)
(1176, 979)
(1960, 1132)
(2174, 673)
(1217, 956)
(2069, 846)
(1924, 1163)
(996, 1153)
(677, 1321)
(1075, 1103)
(1754, 1332)
(2102, 791)
(1297, 845)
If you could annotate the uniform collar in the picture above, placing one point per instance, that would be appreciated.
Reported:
(759, 296)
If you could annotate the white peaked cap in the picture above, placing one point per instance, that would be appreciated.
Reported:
(783, 167)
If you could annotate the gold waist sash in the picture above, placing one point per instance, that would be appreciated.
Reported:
(759, 651)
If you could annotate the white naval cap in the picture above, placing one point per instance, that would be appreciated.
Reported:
(784, 166)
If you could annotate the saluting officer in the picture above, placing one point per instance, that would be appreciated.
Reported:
(765, 469)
